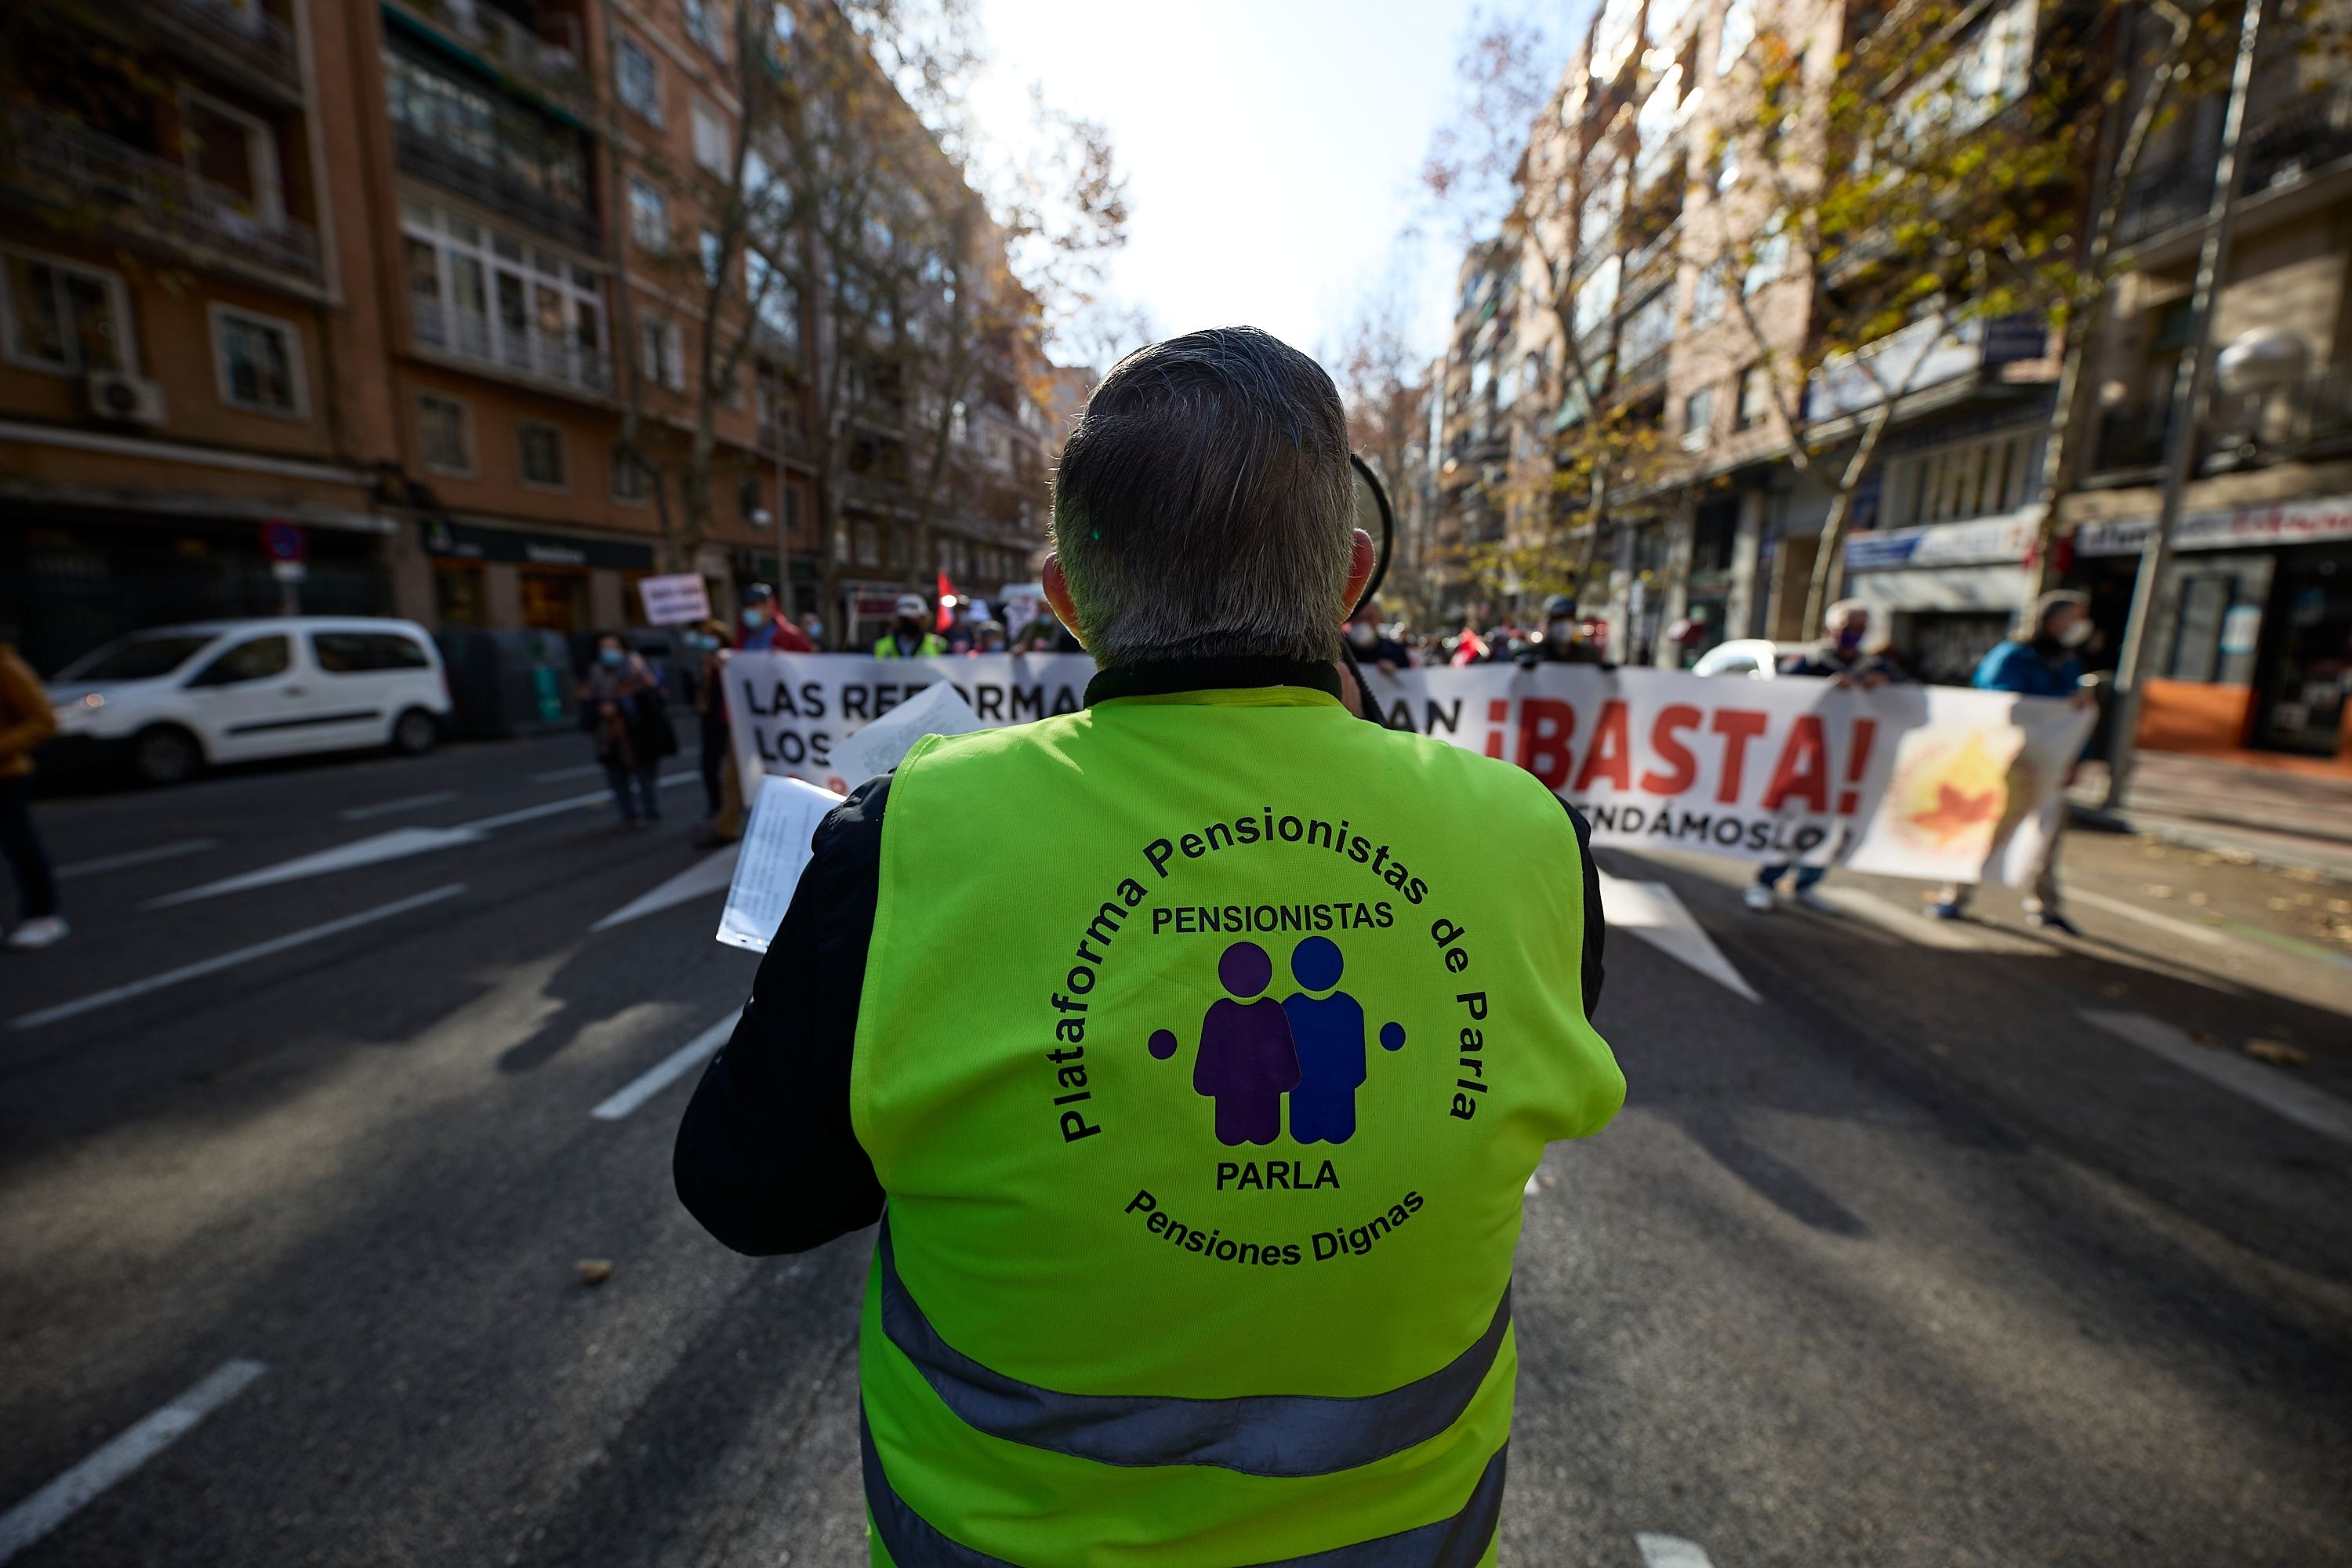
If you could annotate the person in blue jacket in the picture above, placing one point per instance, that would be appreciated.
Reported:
(2043, 660)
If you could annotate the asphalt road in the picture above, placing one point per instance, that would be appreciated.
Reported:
(1906, 1262)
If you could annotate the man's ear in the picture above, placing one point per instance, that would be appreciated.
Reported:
(1360, 571)
(1057, 594)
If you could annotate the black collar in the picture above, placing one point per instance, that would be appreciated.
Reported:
(1209, 675)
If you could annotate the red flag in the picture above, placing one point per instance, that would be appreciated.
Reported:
(947, 611)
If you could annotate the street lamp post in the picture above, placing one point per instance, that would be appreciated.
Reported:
(2191, 391)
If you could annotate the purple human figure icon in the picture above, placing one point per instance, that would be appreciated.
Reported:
(1246, 1062)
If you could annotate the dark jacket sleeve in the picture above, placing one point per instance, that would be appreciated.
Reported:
(1596, 927)
(766, 1157)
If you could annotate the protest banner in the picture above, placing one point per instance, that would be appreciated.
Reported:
(677, 600)
(1938, 782)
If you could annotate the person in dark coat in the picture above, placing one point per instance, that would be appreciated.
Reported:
(624, 710)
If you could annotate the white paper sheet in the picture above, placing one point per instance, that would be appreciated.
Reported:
(877, 747)
(785, 813)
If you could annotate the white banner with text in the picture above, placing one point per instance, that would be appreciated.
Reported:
(1938, 782)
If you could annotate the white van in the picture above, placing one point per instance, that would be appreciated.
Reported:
(168, 701)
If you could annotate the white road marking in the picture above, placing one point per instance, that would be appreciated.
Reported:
(1911, 925)
(555, 776)
(709, 875)
(673, 1066)
(1651, 911)
(397, 843)
(53, 1504)
(1671, 1552)
(387, 807)
(2267, 1087)
(231, 960)
(2172, 924)
(129, 859)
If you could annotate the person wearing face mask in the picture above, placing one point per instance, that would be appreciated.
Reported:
(2043, 660)
(1562, 639)
(1842, 658)
(766, 628)
(1372, 646)
(910, 636)
(622, 708)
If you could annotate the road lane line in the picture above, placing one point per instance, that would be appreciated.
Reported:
(673, 1066)
(124, 861)
(556, 775)
(570, 802)
(1652, 911)
(392, 843)
(2266, 1086)
(709, 875)
(2130, 911)
(1914, 925)
(405, 803)
(231, 960)
(1671, 1552)
(53, 1504)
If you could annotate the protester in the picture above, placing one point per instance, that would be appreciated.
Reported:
(813, 628)
(623, 709)
(26, 721)
(766, 628)
(910, 636)
(1562, 639)
(991, 638)
(1468, 648)
(710, 708)
(1373, 646)
(962, 631)
(2044, 658)
(1087, 1324)
(1845, 657)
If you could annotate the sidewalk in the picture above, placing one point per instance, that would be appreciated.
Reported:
(2291, 819)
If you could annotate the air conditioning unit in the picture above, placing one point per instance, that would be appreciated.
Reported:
(129, 399)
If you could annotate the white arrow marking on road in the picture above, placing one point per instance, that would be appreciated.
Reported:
(1671, 1552)
(1651, 911)
(124, 861)
(397, 844)
(708, 875)
(2266, 1086)
(61, 1499)
(673, 1066)
(231, 960)
(387, 807)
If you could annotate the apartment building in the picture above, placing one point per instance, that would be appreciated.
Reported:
(426, 280)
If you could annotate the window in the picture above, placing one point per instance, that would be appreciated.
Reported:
(542, 454)
(257, 659)
(661, 353)
(713, 254)
(705, 20)
(648, 216)
(1738, 32)
(233, 154)
(1598, 298)
(445, 429)
(490, 131)
(366, 653)
(1698, 418)
(1708, 296)
(640, 80)
(1973, 479)
(1754, 398)
(713, 147)
(483, 295)
(1770, 259)
(258, 360)
(633, 482)
(65, 318)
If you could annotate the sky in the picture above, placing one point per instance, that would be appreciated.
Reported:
(1272, 147)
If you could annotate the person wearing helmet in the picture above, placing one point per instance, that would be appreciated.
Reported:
(1562, 639)
(910, 636)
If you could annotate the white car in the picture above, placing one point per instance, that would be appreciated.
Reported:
(1754, 658)
(170, 700)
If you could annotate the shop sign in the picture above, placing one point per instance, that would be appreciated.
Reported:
(471, 542)
(2289, 523)
(1992, 540)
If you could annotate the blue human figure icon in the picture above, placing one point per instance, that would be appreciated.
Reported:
(1328, 1031)
(1246, 1062)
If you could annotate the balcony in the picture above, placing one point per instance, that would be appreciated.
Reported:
(509, 47)
(2324, 409)
(2309, 131)
(62, 164)
(524, 351)
(1645, 374)
(1925, 354)
(242, 34)
(454, 169)
(1653, 261)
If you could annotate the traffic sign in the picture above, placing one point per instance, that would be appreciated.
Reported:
(284, 541)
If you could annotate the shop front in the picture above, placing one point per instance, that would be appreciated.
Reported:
(2252, 647)
(496, 578)
(1945, 594)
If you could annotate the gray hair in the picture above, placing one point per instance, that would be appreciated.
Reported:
(1203, 506)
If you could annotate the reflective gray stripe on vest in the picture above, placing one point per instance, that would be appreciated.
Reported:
(1284, 1434)
(1458, 1542)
